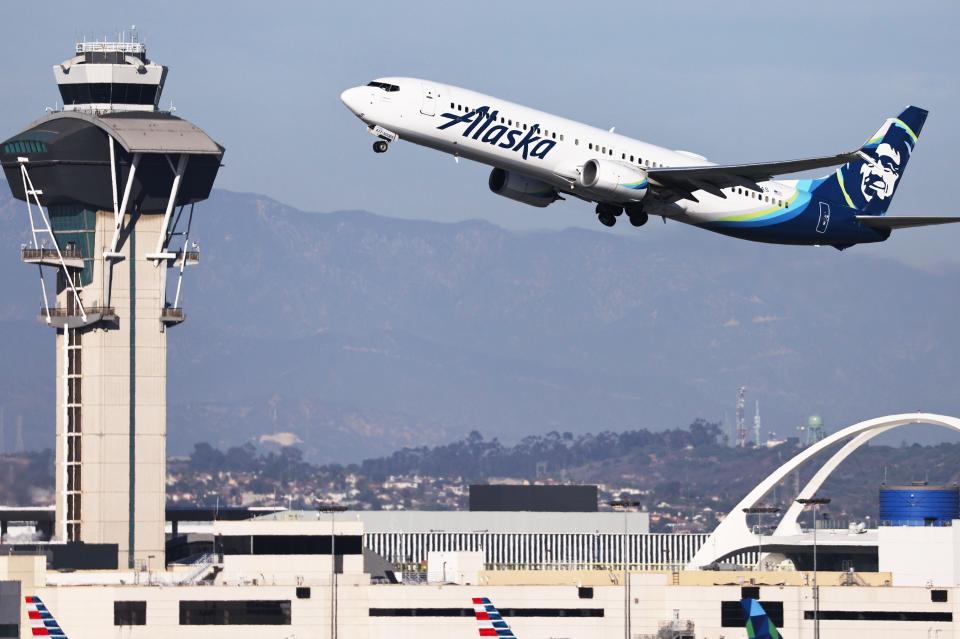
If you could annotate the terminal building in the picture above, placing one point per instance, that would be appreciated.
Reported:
(109, 185)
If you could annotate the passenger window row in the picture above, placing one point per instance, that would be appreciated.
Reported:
(509, 122)
(759, 196)
(554, 135)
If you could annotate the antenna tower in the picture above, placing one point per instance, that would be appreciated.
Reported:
(741, 424)
(19, 448)
(756, 426)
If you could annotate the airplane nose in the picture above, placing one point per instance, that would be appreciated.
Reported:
(353, 99)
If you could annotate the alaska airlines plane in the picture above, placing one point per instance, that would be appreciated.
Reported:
(538, 158)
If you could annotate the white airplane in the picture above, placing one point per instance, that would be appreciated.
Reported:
(539, 157)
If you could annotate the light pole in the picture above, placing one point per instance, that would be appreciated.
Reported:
(759, 511)
(625, 504)
(333, 509)
(816, 502)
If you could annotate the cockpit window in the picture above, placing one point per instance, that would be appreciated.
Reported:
(383, 85)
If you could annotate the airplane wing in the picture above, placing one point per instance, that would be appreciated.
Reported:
(684, 180)
(903, 221)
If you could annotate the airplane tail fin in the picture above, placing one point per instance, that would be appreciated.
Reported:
(759, 625)
(491, 623)
(869, 183)
(42, 623)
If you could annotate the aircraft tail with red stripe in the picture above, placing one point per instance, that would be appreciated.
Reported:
(42, 623)
(491, 623)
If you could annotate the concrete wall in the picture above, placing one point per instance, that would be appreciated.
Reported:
(86, 611)
(921, 555)
(112, 408)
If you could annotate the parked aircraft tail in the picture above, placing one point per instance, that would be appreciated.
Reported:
(42, 623)
(491, 623)
(759, 625)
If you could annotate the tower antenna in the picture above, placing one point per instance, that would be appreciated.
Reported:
(756, 426)
(19, 433)
(741, 425)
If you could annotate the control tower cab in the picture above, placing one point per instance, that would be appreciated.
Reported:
(110, 76)
(110, 183)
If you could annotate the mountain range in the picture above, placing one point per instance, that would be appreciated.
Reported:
(353, 334)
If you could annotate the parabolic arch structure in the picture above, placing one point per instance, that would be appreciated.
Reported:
(733, 535)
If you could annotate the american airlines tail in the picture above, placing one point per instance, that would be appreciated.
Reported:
(42, 623)
(869, 183)
(759, 625)
(491, 623)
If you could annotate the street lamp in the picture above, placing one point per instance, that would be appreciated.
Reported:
(333, 509)
(624, 504)
(816, 502)
(760, 511)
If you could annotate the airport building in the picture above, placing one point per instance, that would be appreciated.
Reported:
(109, 185)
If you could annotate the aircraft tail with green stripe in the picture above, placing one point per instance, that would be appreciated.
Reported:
(869, 183)
(759, 625)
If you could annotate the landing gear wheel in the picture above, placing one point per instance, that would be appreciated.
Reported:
(637, 219)
(380, 146)
(607, 213)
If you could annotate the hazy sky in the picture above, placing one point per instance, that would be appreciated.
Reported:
(736, 82)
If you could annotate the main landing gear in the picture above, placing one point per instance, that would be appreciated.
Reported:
(636, 214)
(380, 146)
(607, 213)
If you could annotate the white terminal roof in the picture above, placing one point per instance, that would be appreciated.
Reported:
(461, 521)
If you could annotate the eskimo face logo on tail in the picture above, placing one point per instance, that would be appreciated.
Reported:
(888, 152)
(484, 126)
(42, 623)
(491, 623)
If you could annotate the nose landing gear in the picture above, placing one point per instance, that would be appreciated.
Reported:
(380, 146)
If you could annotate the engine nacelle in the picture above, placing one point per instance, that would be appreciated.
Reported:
(614, 181)
(521, 188)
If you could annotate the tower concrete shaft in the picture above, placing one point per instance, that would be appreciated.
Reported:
(111, 400)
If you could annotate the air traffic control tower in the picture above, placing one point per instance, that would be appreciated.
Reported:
(110, 184)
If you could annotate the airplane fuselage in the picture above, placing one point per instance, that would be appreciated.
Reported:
(554, 150)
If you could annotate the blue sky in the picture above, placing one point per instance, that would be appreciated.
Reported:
(736, 82)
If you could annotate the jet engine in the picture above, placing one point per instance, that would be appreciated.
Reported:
(614, 181)
(521, 188)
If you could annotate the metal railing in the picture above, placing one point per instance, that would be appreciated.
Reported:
(111, 47)
(200, 567)
(105, 312)
(49, 253)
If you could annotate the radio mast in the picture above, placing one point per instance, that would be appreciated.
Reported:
(741, 424)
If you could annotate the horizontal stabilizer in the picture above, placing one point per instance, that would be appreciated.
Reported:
(903, 221)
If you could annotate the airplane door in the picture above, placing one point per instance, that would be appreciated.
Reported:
(430, 97)
(824, 220)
